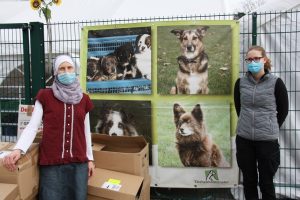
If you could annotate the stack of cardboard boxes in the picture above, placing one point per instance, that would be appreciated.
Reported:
(23, 183)
(122, 168)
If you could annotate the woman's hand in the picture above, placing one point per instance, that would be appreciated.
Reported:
(91, 167)
(10, 160)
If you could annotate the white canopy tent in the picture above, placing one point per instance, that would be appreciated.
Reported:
(78, 10)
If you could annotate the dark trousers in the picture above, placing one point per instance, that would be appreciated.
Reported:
(63, 182)
(258, 161)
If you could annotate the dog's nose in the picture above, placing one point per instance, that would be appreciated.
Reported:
(181, 130)
(113, 134)
(189, 47)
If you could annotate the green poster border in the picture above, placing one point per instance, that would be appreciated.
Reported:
(154, 97)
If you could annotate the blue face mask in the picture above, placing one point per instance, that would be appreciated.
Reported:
(255, 67)
(66, 78)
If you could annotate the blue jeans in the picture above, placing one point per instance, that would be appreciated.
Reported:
(63, 182)
(258, 161)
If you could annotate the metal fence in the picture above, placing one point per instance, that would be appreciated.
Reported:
(260, 28)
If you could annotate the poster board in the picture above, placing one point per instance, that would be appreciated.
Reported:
(193, 68)
(24, 116)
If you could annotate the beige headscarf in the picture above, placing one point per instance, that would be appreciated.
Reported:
(70, 94)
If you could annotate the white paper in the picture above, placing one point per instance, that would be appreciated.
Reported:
(111, 186)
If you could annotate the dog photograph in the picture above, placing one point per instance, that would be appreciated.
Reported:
(194, 134)
(119, 61)
(121, 118)
(194, 59)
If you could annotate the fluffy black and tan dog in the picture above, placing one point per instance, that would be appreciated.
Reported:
(126, 68)
(93, 72)
(195, 146)
(192, 76)
(115, 121)
(108, 68)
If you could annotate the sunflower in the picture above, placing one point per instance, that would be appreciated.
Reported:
(57, 2)
(35, 4)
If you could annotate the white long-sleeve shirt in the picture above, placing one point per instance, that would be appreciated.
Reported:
(29, 133)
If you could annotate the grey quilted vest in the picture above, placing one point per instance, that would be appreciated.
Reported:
(258, 116)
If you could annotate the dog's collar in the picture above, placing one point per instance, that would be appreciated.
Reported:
(190, 60)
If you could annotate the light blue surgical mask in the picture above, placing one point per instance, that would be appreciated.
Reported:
(66, 78)
(255, 67)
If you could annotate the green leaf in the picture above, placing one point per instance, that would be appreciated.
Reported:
(48, 13)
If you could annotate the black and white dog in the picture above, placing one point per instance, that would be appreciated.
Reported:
(143, 54)
(115, 121)
(126, 67)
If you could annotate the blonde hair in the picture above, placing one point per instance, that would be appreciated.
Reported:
(267, 65)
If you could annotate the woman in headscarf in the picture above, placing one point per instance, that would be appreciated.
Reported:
(65, 153)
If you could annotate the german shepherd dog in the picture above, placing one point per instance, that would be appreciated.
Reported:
(195, 146)
(192, 76)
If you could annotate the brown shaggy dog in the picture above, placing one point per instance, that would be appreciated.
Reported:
(195, 147)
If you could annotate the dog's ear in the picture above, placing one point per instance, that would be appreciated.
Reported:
(101, 61)
(202, 30)
(98, 126)
(148, 41)
(178, 111)
(114, 59)
(126, 117)
(177, 32)
(197, 113)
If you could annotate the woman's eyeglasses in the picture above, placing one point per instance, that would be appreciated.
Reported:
(255, 59)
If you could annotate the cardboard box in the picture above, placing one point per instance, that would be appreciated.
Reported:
(27, 175)
(33, 196)
(17, 198)
(121, 186)
(8, 191)
(145, 193)
(122, 153)
(38, 137)
(92, 197)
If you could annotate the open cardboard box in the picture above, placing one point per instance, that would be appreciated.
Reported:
(92, 197)
(144, 195)
(8, 191)
(26, 176)
(121, 153)
(112, 185)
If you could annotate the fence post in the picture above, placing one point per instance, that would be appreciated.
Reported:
(37, 56)
(26, 58)
(254, 28)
